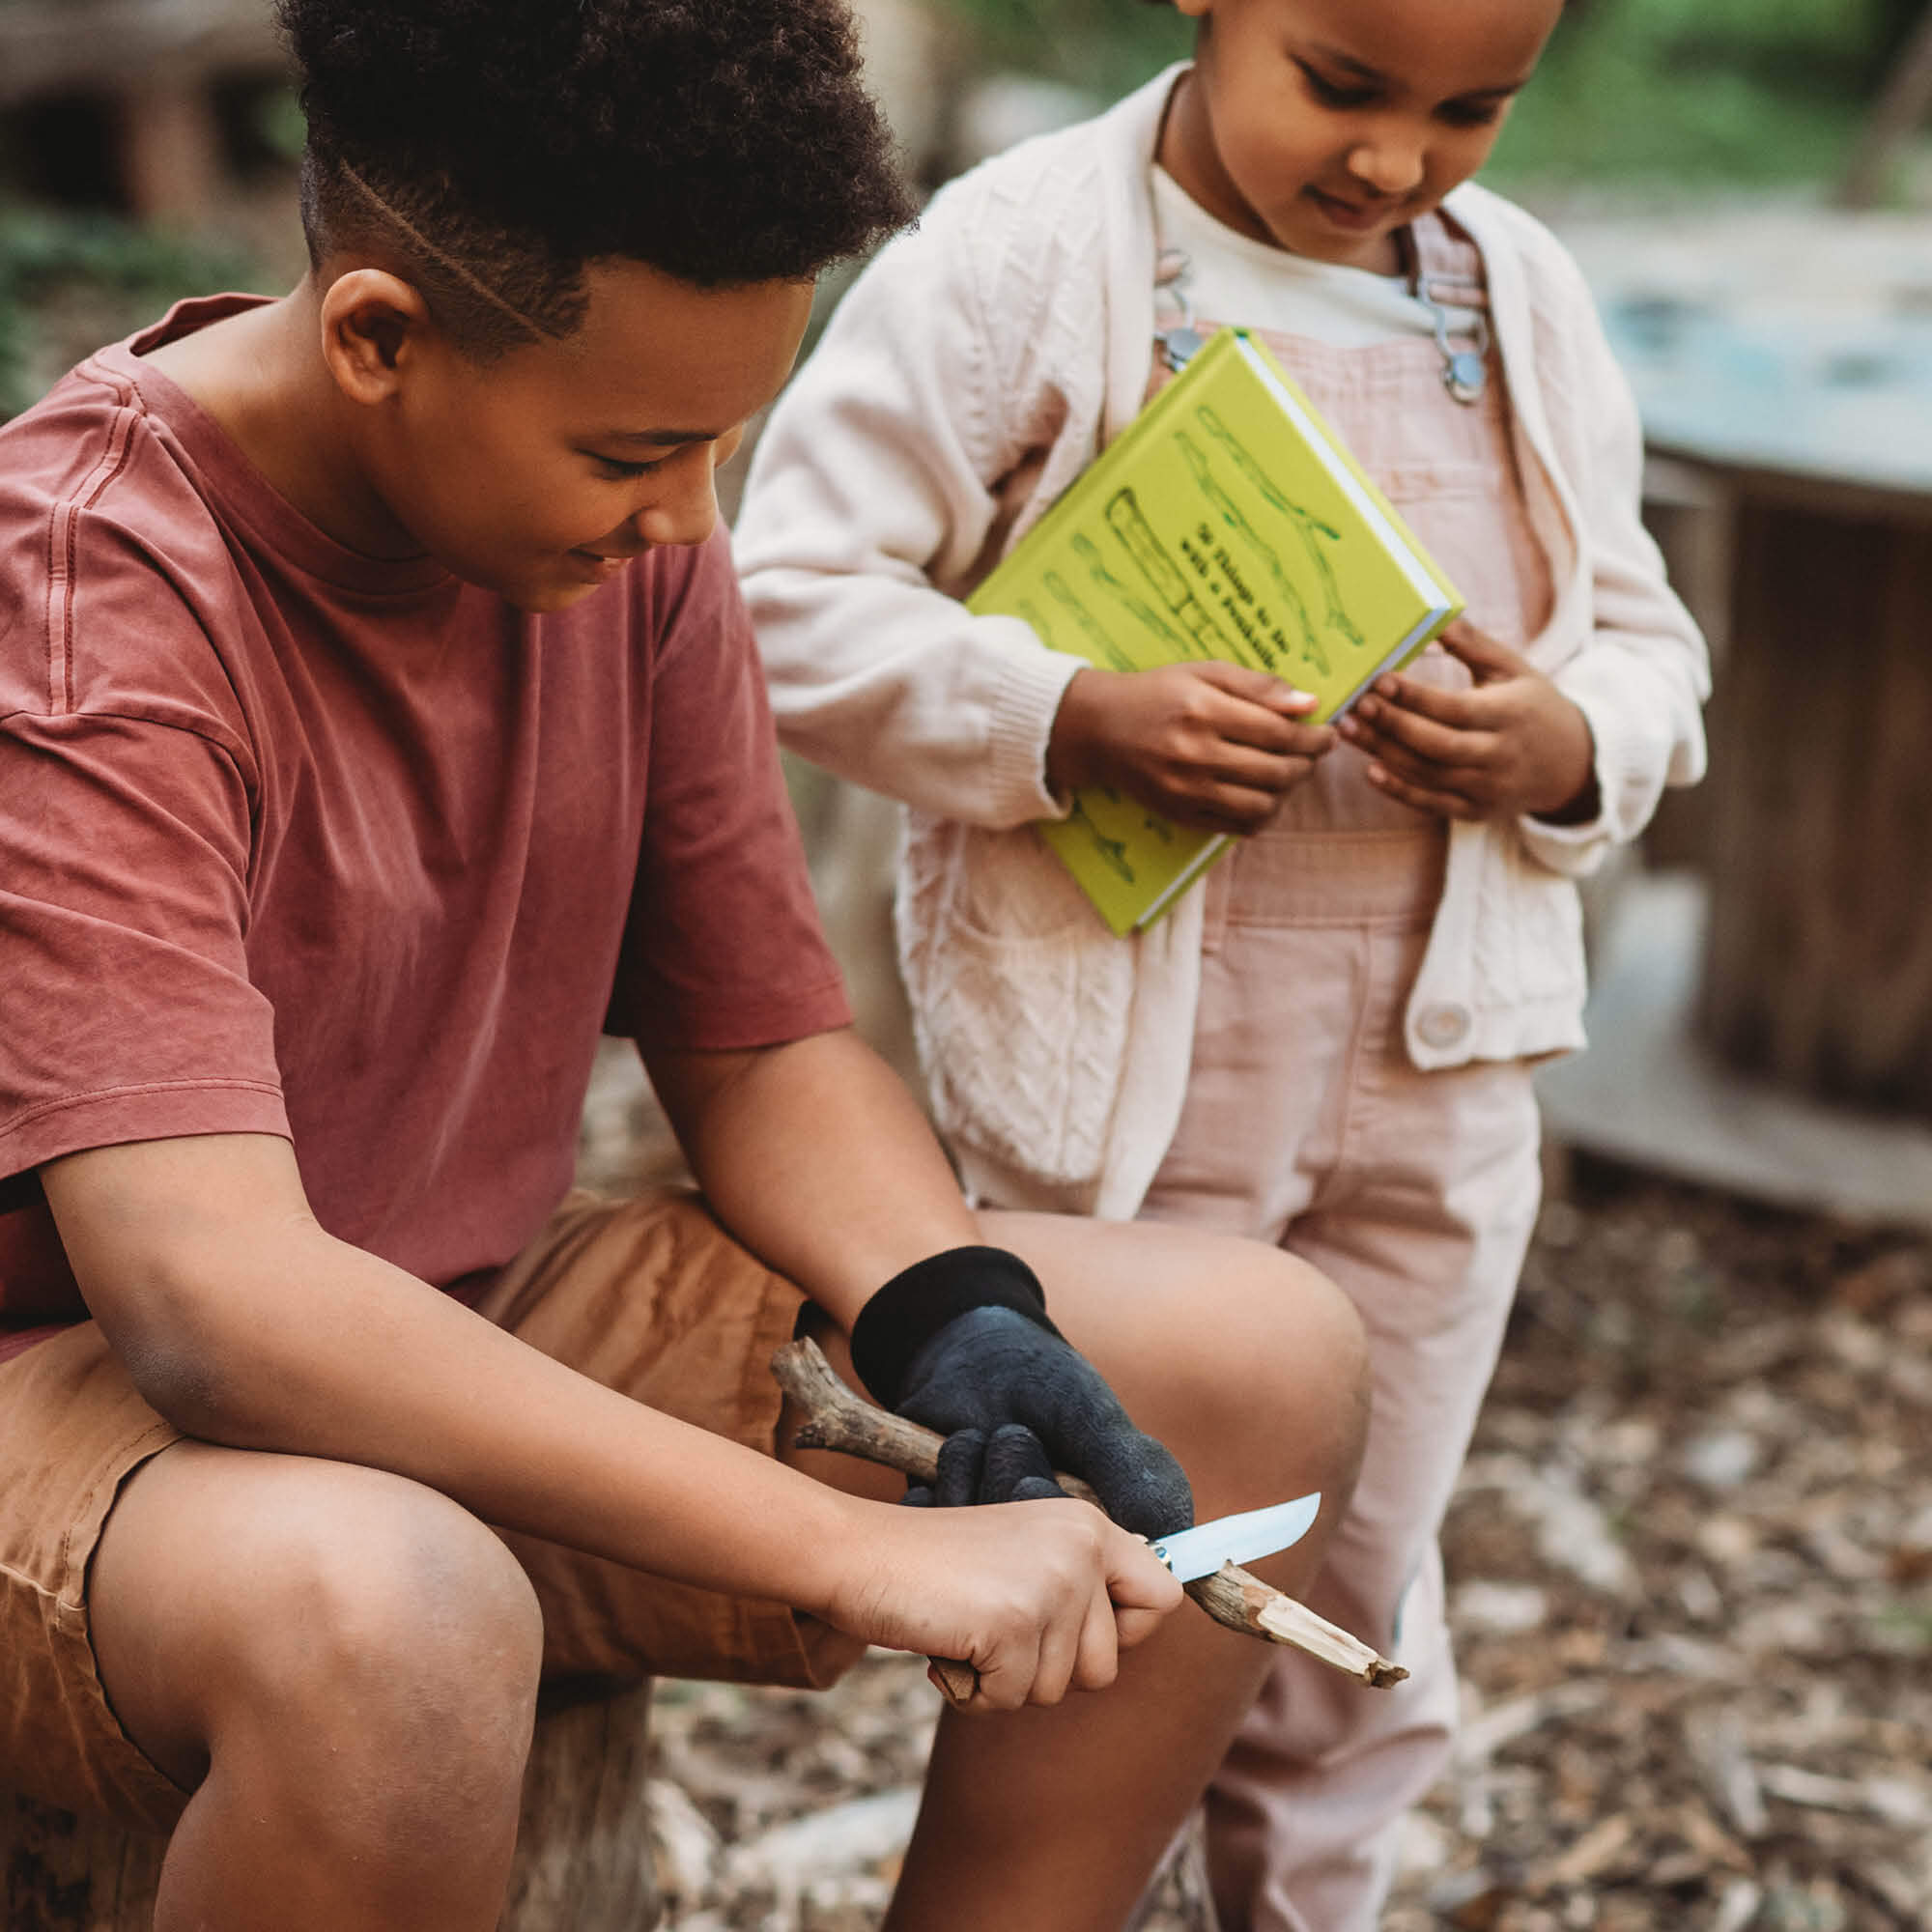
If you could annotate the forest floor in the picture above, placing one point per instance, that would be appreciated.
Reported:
(1690, 1576)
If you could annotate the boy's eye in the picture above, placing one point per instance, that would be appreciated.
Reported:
(617, 470)
(1334, 93)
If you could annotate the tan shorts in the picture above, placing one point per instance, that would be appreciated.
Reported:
(650, 1296)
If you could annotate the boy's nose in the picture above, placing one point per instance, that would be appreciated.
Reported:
(687, 512)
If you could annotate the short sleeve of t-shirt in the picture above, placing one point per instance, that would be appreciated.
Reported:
(125, 837)
(722, 946)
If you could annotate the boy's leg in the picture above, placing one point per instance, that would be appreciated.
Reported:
(335, 1668)
(346, 1661)
(321, 1678)
(1241, 1358)
(1250, 1368)
(341, 1665)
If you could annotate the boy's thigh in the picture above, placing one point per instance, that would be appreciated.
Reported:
(1209, 1339)
(650, 1296)
(73, 1430)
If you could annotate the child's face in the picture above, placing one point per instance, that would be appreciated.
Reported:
(538, 474)
(1323, 125)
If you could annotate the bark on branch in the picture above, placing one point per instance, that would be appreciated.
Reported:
(837, 1418)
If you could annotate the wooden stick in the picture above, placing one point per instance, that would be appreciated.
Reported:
(837, 1418)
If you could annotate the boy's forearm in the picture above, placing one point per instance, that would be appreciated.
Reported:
(817, 1159)
(275, 1336)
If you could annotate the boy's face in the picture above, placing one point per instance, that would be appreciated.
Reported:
(1323, 125)
(537, 475)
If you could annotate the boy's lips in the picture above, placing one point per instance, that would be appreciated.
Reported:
(600, 565)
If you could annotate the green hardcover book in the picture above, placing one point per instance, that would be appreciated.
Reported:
(1227, 522)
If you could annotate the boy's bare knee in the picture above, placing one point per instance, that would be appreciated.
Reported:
(1274, 1380)
(1301, 1343)
(391, 1669)
(399, 1585)
(392, 1634)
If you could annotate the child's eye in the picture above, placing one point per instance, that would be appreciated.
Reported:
(1470, 113)
(1333, 94)
(616, 471)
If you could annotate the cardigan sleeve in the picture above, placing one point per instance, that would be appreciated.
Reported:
(874, 496)
(1642, 673)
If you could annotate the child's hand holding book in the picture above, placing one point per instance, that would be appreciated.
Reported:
(1214, 747)
(1512, 743)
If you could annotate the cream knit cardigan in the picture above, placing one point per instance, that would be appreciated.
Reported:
(972, 371)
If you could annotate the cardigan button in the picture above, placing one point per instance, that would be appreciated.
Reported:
(1443, 1025)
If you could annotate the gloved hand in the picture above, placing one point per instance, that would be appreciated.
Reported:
(961, 1342)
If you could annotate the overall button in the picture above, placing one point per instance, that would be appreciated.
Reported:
(1443, 1025)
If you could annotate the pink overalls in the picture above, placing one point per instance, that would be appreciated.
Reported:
(1305, 1125)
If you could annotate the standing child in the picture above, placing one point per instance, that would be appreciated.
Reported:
(1328, 1042)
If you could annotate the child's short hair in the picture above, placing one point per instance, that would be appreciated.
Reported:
(502, 145)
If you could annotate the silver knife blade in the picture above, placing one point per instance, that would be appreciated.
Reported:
(1200, 1552)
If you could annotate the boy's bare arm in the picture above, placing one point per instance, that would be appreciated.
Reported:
(813, 1155)
(818, 1159)
(244, 1324)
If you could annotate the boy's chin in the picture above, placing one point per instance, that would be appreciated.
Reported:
(546, 600)
(540, 594)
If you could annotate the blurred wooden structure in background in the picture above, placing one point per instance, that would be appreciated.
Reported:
(1896, 115)
(152, 68)
(1819, 967)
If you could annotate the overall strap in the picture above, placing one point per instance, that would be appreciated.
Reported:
(1447, 265)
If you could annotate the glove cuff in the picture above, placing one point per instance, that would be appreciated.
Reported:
(919, 1301)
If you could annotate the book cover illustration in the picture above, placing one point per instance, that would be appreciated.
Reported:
(1227, 523)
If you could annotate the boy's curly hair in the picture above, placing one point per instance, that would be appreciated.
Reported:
(502, 145)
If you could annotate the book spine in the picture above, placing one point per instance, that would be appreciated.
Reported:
(1182, 879)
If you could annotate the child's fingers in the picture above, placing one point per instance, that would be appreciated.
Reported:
(1435, 799)
(1268, 732)
(1458, 776)
(1248, 767)
(1376, 725)
(1256, 687)
(1489, 656)
(1233, 809)
(1461, 708)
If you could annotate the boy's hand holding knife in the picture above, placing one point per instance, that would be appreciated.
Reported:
(961, 1345)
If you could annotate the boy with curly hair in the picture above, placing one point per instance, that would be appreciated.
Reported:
(379, 723)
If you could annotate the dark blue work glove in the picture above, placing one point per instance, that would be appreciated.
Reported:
(961, 1342)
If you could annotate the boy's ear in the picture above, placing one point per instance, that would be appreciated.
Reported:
(371, 323)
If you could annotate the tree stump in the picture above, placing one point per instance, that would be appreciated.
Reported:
(583, 1853)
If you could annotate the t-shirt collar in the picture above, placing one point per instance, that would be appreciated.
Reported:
(232, 479)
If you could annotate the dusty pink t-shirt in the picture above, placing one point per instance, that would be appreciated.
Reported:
(297, 841)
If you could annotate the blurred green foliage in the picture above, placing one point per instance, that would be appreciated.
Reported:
(1102, 46)
(120, 275)
(1700, 92)
(1695, 92)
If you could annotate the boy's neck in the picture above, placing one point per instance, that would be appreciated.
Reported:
(260, 375)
